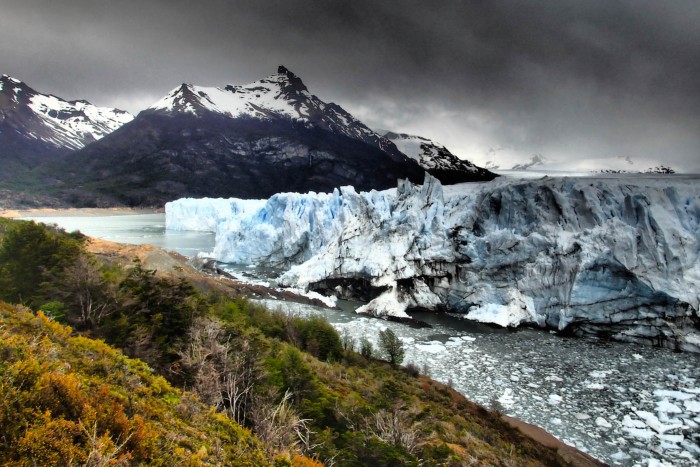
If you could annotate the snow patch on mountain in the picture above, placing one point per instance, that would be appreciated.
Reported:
(611, 255)
(78, 122)
(429, 154)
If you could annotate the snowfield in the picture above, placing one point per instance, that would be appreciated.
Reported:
(607, 255)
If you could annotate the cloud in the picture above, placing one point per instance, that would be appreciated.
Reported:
(565, 79)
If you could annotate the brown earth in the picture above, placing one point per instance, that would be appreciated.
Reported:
(568, 453)
(175, 266)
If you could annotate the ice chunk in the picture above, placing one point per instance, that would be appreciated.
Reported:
(603, 423)
(678, 395)
(692, 406)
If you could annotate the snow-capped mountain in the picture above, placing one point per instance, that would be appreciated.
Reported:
(540, 164)
(34, 125)
(608, 255)
(282, 95)
(437, 160)
(248, 141)
(536, 160)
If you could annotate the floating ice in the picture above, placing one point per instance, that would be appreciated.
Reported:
(603, 423)
(554, 399)
(692, 406)
(679, 395)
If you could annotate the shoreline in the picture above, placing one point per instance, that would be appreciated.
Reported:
(77, 212)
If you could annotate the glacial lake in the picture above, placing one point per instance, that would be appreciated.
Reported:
(625, 404)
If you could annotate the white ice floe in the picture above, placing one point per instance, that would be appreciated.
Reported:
(678, 395)
(692, 406)
(554, 399)
(603, 423)
(507, 398)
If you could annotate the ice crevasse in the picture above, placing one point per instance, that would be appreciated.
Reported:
(612, 256)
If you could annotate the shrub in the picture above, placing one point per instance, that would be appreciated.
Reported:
(412, 369)
(366, 348)
(30, 255)
(319, 338)
(392, 346)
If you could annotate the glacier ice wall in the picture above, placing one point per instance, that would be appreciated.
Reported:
(591, 256)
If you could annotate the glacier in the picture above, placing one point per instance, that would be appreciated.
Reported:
(610, 256)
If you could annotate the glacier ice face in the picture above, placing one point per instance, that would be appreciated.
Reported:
(604, 255)
(206, 214)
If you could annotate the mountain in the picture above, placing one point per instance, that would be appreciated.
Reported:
(247, 141)
(537, 163)
(36, 127)
(536, 160)
(437, 160)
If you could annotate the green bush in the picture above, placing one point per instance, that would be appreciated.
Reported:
(32, 255)
(319, 338)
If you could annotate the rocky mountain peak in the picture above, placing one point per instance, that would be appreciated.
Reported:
(9, 79)
(13, 86)
(436, 159)
(290, 81)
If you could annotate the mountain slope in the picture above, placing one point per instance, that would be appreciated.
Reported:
(68, 399)
(246, 141)
(437, 160)
(35, 127)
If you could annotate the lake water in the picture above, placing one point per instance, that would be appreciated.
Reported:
(625, 404)
(136, 229)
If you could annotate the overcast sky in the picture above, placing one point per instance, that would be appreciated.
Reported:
(492, 80)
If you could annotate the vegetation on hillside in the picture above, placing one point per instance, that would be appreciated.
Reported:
(301, 390)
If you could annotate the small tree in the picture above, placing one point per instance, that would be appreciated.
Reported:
(366, 348)
(392, 346)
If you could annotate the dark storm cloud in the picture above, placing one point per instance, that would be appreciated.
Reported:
(565, 78)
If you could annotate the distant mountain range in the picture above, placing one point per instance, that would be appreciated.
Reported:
(248, 141)
(611, 165)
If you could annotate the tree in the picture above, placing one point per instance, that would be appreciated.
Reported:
(82, 285)
(366, 348)
(392, 346)
(30, 255)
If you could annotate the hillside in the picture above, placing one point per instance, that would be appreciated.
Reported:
(67, 399)
(295, 383)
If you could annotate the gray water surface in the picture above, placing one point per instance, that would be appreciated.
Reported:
(135, 229)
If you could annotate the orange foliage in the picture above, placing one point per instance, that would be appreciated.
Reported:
(302, 461)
